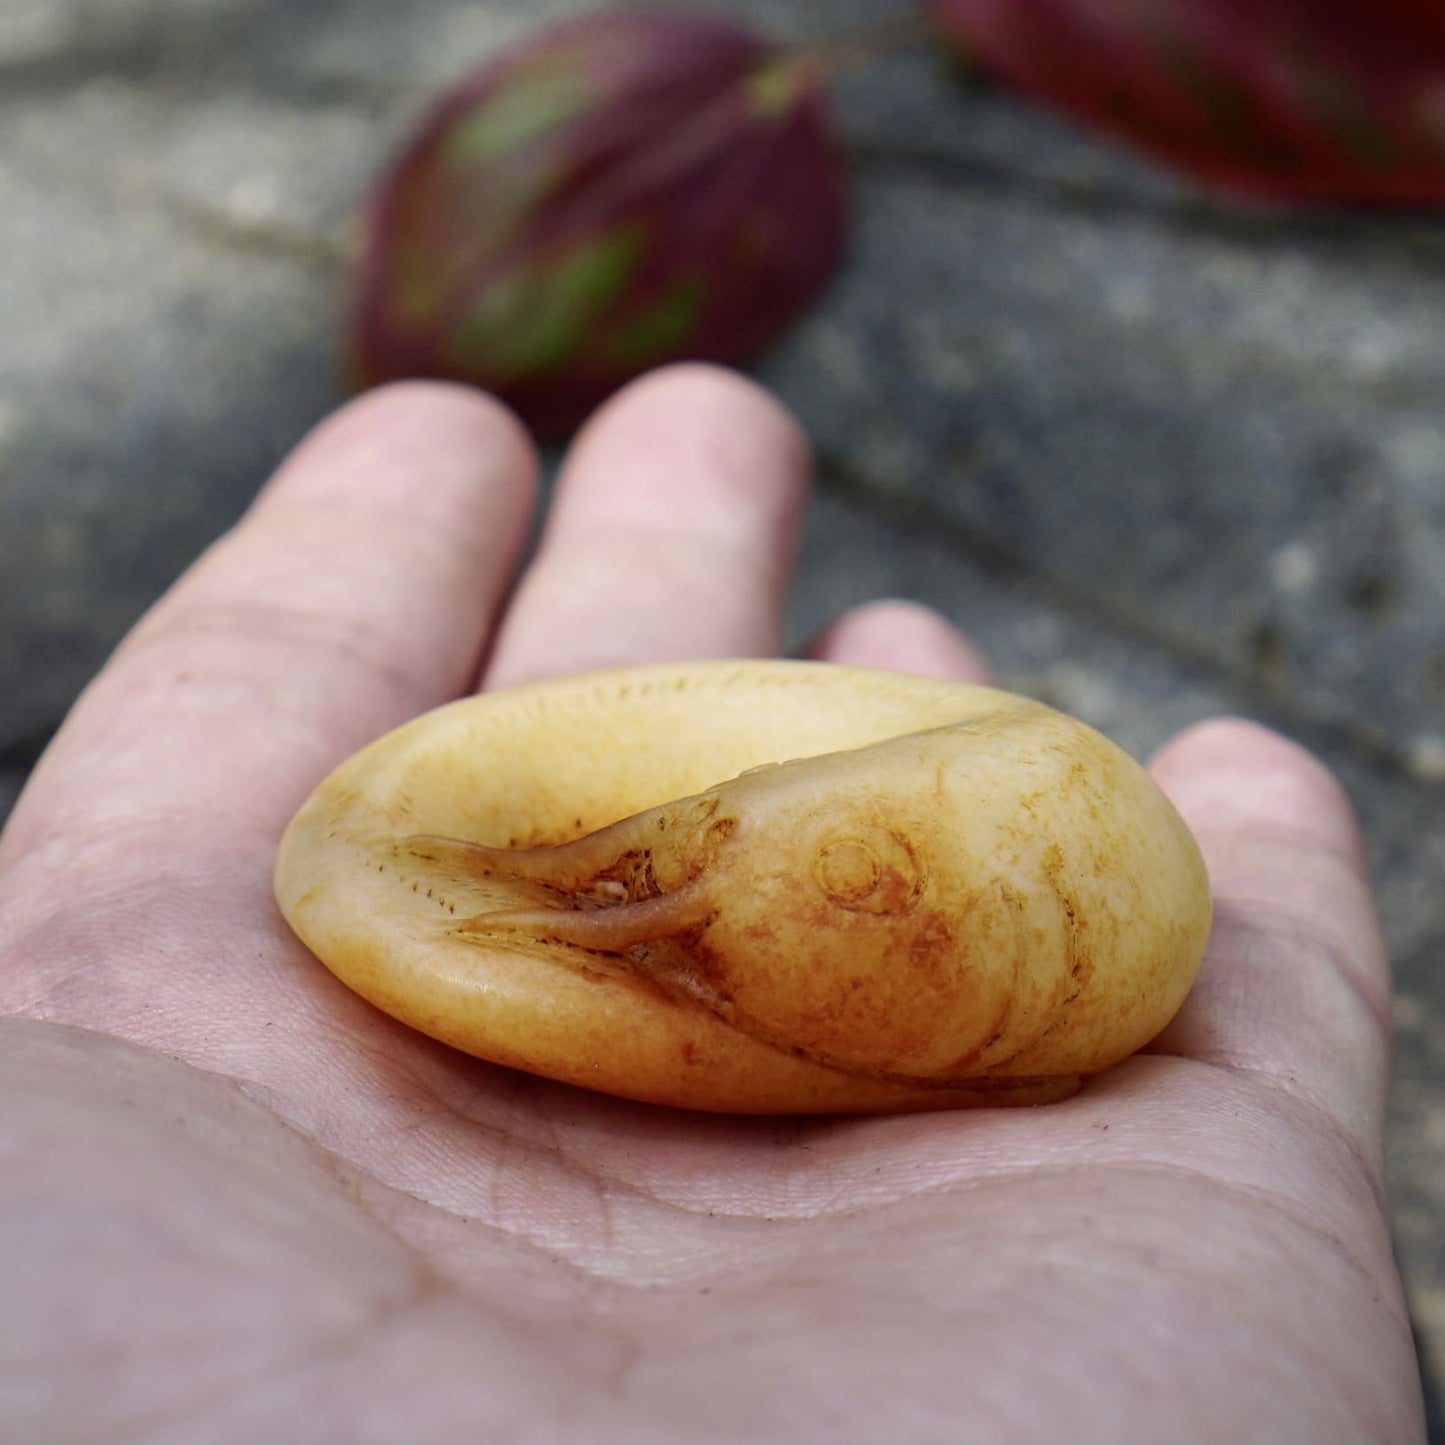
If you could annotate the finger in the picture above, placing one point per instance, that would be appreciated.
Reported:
(672, 534)
(901, 636)
(358, 590)
(1295, 985)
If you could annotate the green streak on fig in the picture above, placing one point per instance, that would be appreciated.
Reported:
(532, 105)
(661, 327)
(535, 322)
(774, 88)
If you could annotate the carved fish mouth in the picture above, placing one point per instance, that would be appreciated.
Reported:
(605, 901)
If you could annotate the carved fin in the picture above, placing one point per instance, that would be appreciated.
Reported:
(606, 929)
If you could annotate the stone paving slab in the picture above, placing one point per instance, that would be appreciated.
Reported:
(151, 378)
(1162, 456)
(1237, 439)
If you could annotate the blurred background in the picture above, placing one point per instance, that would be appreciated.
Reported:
(1162, 453)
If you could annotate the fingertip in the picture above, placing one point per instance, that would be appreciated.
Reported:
(748, 436)
(446, 404)
(701, 384)
(901, 636)
(394, 437)
(1235, 776)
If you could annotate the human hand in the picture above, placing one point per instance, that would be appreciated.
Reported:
(240, 1205)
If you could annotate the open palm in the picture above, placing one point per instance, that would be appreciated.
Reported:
(240, 1205)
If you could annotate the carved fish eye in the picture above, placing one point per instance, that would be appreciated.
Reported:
(878, 873)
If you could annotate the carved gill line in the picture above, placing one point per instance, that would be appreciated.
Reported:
(1071, 985)
(727, 1013)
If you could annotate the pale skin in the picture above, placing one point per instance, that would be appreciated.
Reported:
(238, 1204)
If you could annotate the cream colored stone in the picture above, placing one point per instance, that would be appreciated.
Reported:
(757, 886)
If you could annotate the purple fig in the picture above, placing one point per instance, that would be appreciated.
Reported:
(629, 188)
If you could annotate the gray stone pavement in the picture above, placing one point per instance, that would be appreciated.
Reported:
(1162, 456)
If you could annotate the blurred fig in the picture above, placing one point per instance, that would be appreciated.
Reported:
(628, 188)
(1337, 101)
